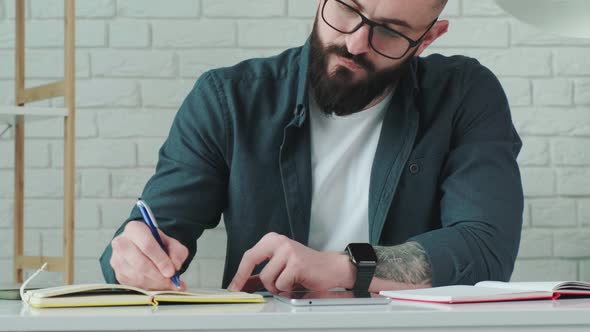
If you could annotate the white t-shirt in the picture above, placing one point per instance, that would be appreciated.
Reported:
(342, 153)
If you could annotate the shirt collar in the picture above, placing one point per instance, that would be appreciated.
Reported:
(302, 96)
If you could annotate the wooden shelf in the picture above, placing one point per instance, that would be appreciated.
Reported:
(8, 113)
(18, 116)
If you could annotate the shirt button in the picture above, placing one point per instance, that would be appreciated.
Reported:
(298, 110)
(414, 168)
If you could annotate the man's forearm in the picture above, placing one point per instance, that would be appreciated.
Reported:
(402, 266)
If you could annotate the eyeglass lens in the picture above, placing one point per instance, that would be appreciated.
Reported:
(341, 16)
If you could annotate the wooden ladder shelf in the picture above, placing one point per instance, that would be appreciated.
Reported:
(17, 116)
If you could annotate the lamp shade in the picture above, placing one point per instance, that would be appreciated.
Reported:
(564, 17)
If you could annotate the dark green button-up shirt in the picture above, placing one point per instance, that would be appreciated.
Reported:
(444, 175)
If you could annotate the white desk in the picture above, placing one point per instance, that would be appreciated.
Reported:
(563, 315)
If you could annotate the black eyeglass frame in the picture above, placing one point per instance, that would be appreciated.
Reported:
(372, 25)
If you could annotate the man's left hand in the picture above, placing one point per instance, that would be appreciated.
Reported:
(291, 264)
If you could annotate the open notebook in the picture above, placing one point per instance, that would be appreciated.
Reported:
(92, 295)
(490, 291)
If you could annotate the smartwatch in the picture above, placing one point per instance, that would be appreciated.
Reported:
(364, 258)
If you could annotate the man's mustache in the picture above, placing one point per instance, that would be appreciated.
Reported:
(360, 60)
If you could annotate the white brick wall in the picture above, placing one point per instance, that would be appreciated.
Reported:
(137, 60)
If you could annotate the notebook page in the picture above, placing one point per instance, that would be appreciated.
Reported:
(84, 288)
(194, 292)
(546, 286)
(203, 293)
(458, 293)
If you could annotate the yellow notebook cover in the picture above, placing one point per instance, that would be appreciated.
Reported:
(100, 295)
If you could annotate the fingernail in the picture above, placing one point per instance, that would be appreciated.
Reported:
(231, 287)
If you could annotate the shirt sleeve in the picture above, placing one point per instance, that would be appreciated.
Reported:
(188, 191)
(482, 197)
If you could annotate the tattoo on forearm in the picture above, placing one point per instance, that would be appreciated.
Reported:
(404, 263)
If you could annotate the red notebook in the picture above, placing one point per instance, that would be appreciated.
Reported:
(491, 291)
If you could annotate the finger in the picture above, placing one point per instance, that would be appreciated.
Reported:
(142, 238)
(137, 269)
(122, 274)
(286, 280)
(299, 288)
(124, 251)
(128, 276)
(176, 250)
(253, 284)
(262, 251)
(142, 266)
(272, 270)
(131, 267)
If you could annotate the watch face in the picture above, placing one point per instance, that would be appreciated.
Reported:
(362, 253)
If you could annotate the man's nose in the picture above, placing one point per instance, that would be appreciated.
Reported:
(358, 42)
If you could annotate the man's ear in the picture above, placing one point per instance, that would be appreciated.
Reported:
(437, 30)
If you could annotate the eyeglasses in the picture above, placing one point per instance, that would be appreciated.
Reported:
(383, 40)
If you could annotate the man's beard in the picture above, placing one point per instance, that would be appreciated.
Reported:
(334, 92)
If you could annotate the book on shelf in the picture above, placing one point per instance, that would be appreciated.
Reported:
(492, 291)
(97, 295)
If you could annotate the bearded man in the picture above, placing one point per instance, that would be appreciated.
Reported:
(352, 141)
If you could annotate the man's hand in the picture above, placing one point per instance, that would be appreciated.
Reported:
(138, 260)
(291, 264)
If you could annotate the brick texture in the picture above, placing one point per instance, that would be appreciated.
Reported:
(138, 59)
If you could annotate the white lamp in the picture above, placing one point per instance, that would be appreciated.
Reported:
(564, 17)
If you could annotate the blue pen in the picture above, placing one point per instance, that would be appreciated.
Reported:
(150, 221)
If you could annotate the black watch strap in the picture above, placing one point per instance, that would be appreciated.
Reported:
(364, 276)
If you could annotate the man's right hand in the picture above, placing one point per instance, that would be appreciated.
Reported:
(138, 260)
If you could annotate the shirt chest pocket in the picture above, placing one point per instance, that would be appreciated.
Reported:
(415, 208)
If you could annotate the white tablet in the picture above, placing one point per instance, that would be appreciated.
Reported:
(311, 298)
